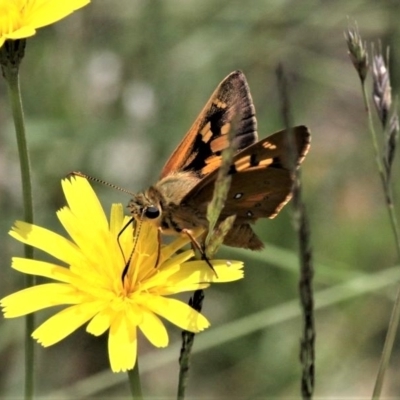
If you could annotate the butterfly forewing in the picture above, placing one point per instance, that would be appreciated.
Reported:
(201, 148)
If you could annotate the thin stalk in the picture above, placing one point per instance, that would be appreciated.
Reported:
(300, 219)
(196, 302)
(11, 55)
(134, 382)
(395, 316)
(386, 186)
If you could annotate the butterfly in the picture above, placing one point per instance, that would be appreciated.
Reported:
(261, 172)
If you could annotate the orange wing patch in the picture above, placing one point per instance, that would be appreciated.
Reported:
(206, 132)
(251, 161)
(269, 145)
(220, 104)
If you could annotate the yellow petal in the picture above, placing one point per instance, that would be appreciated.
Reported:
(154, 329)
(124, 236)
(45, 12)
(84, 203)
(42, 268)
(119, 222)
(176, 312)
(65, 322)
(147, 242)
(161, 276)
(100, 322)
(146, 246)
(176, 260)
(182, 240)
(122, 344)
(181, 288)
(23, 32)
(172, 248)
(46, 240)
(37, 298)
(199, 271)
(78, 229)
(98, 248)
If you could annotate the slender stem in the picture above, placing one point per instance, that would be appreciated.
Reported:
(134, 382)
(18, 116)
(300, 218)
(386, 186)
(387, 348)
(11, 55)
(395, 316)
(196, 302)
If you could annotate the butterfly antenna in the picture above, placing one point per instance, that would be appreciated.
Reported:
(97, 180)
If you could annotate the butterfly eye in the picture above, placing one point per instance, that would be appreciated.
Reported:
(152, 212)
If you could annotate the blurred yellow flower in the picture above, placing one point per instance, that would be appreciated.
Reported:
(20, 18)
(102, 288)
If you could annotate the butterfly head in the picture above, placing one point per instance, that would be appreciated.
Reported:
(145, 206)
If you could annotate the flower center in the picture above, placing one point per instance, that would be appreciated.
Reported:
(10, 15)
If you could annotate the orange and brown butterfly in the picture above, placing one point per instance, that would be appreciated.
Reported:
(261, 171)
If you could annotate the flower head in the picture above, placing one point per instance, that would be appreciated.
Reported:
(357, 51)
(112, 281)
(20, 18)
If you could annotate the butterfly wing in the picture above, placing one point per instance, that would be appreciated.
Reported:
(261, 178)
(200, 149)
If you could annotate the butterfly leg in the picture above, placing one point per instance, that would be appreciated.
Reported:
(127, 262)
(158, 248)
(200, 248)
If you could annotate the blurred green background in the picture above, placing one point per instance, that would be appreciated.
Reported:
(112, 89)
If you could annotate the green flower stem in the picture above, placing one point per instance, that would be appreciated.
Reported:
(395, 316)
(134, 382)
(10, 70)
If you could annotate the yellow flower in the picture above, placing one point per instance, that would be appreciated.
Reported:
(98, 287)
(20, 18)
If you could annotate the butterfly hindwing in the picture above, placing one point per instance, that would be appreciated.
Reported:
(261, 178)
(242, 235)
(200, 150)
